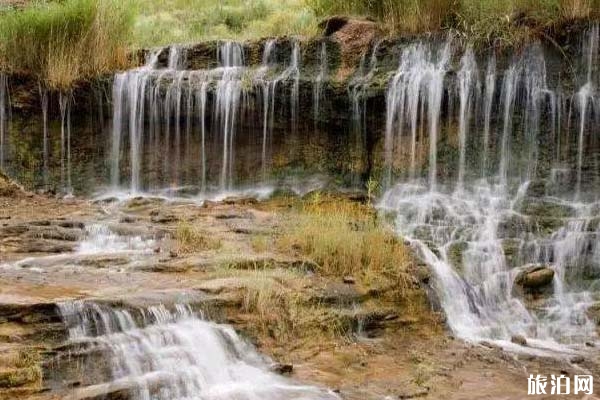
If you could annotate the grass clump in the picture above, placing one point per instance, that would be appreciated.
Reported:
(62, 42)
(190, 239)
(344, 238)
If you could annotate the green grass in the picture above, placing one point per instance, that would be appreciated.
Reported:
(504, 22)
(185, 21)
(61, 42)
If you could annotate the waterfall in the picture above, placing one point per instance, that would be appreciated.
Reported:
(467, 81)
(44, 103)
(481, 236)
(4, 114)
(419, 81)
(227, 102)
(321, 76)
(585, 97)
(294, 72)
(490, 87)
(170, 353)
(64, 103)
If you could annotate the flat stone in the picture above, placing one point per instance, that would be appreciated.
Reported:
(349, 280)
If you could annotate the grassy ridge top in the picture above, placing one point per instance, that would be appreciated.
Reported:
(63, 41)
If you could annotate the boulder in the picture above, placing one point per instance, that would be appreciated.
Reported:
(519, 339)
(593, 313)
(535, 277)
(282, 369)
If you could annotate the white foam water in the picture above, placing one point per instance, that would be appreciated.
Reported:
(99, 239)
(171, 354)
(478, 228)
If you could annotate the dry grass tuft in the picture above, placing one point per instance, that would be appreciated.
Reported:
(190, 239)
(344, 238)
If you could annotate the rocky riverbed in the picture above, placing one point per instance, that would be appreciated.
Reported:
(222, 260)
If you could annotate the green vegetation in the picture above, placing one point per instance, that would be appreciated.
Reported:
(505, 22)
(180, 21)
(62, 42)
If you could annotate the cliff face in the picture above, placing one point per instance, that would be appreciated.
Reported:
(299, 108)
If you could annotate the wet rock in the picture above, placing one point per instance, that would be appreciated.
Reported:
(545, 215)
(455, 255)
(71, 224)
(337, 293)
(127, 219)
(413, 393)
(103, 261)
(235, 215)
(164, 218)
(511, 249)
(519, 339)
(45, 246)
(537, 188)
(535, 277)
(130, 230)
(577, 360)
(243, 201)
(13, 230)
(423, 273)
(593, 313)
(281, 369)
(55, 232)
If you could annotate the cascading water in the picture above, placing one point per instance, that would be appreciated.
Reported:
(44, 104)
(162, 353)
(419, 81)
(4, 113)
(509, 216)
(467, 86)
(321, 76)
(64, 102)
(155, 107)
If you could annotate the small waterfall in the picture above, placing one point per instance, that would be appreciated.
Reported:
(490, 87)
(64, 103)
(227, 102)
(467, 82)
(320, 78)
(509, 84)
(268, 95)
(585, 97)
(294, 73)
(99, 239)
(419, 82)
(44, 103)
(170, 353)
(4, 115)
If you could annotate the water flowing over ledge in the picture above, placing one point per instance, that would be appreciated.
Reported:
(490, 163)
(168, 354)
